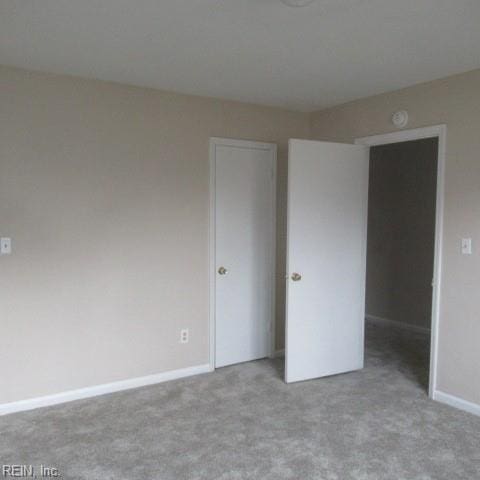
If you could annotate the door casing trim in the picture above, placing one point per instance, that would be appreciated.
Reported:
(440, 132)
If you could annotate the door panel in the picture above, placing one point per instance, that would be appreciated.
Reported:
(327, 228)
(244, 239)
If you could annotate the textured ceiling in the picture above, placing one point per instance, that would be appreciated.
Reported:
(260, 51)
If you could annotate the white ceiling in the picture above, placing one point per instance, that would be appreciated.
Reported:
(260, 51)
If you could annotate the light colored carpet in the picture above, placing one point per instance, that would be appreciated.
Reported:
(244, 422)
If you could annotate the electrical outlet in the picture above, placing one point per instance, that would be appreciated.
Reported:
(184, 335)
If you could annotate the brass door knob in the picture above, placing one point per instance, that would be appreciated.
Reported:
(296, 277)
(222, 271)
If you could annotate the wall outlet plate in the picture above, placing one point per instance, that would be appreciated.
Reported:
(184, 335)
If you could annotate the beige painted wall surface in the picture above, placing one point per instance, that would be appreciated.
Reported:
(454, 101)
(401, 231)
(104, 191)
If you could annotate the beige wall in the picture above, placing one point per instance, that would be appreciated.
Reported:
(401, 231)
(454, 101)
(104, 191)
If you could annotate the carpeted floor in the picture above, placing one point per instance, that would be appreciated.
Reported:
(243, 422)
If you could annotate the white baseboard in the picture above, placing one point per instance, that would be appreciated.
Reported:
(96, 390)
(456, 402)
(396, 323)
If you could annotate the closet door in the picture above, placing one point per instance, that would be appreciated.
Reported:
(244, 204)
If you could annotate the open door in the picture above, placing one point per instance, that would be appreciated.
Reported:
(326, 258)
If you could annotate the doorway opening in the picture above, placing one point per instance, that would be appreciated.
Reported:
(400, 248)
(403, 252)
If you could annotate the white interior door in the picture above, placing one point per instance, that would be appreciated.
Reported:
(327, 231)
(244, 208)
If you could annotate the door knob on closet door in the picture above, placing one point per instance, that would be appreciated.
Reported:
(296, 277)
(222, 271)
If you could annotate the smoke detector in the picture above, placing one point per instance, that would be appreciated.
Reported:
(400, 118)
(297, 3)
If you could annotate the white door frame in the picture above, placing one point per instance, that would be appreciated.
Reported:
(272, 147)
(440, 132)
